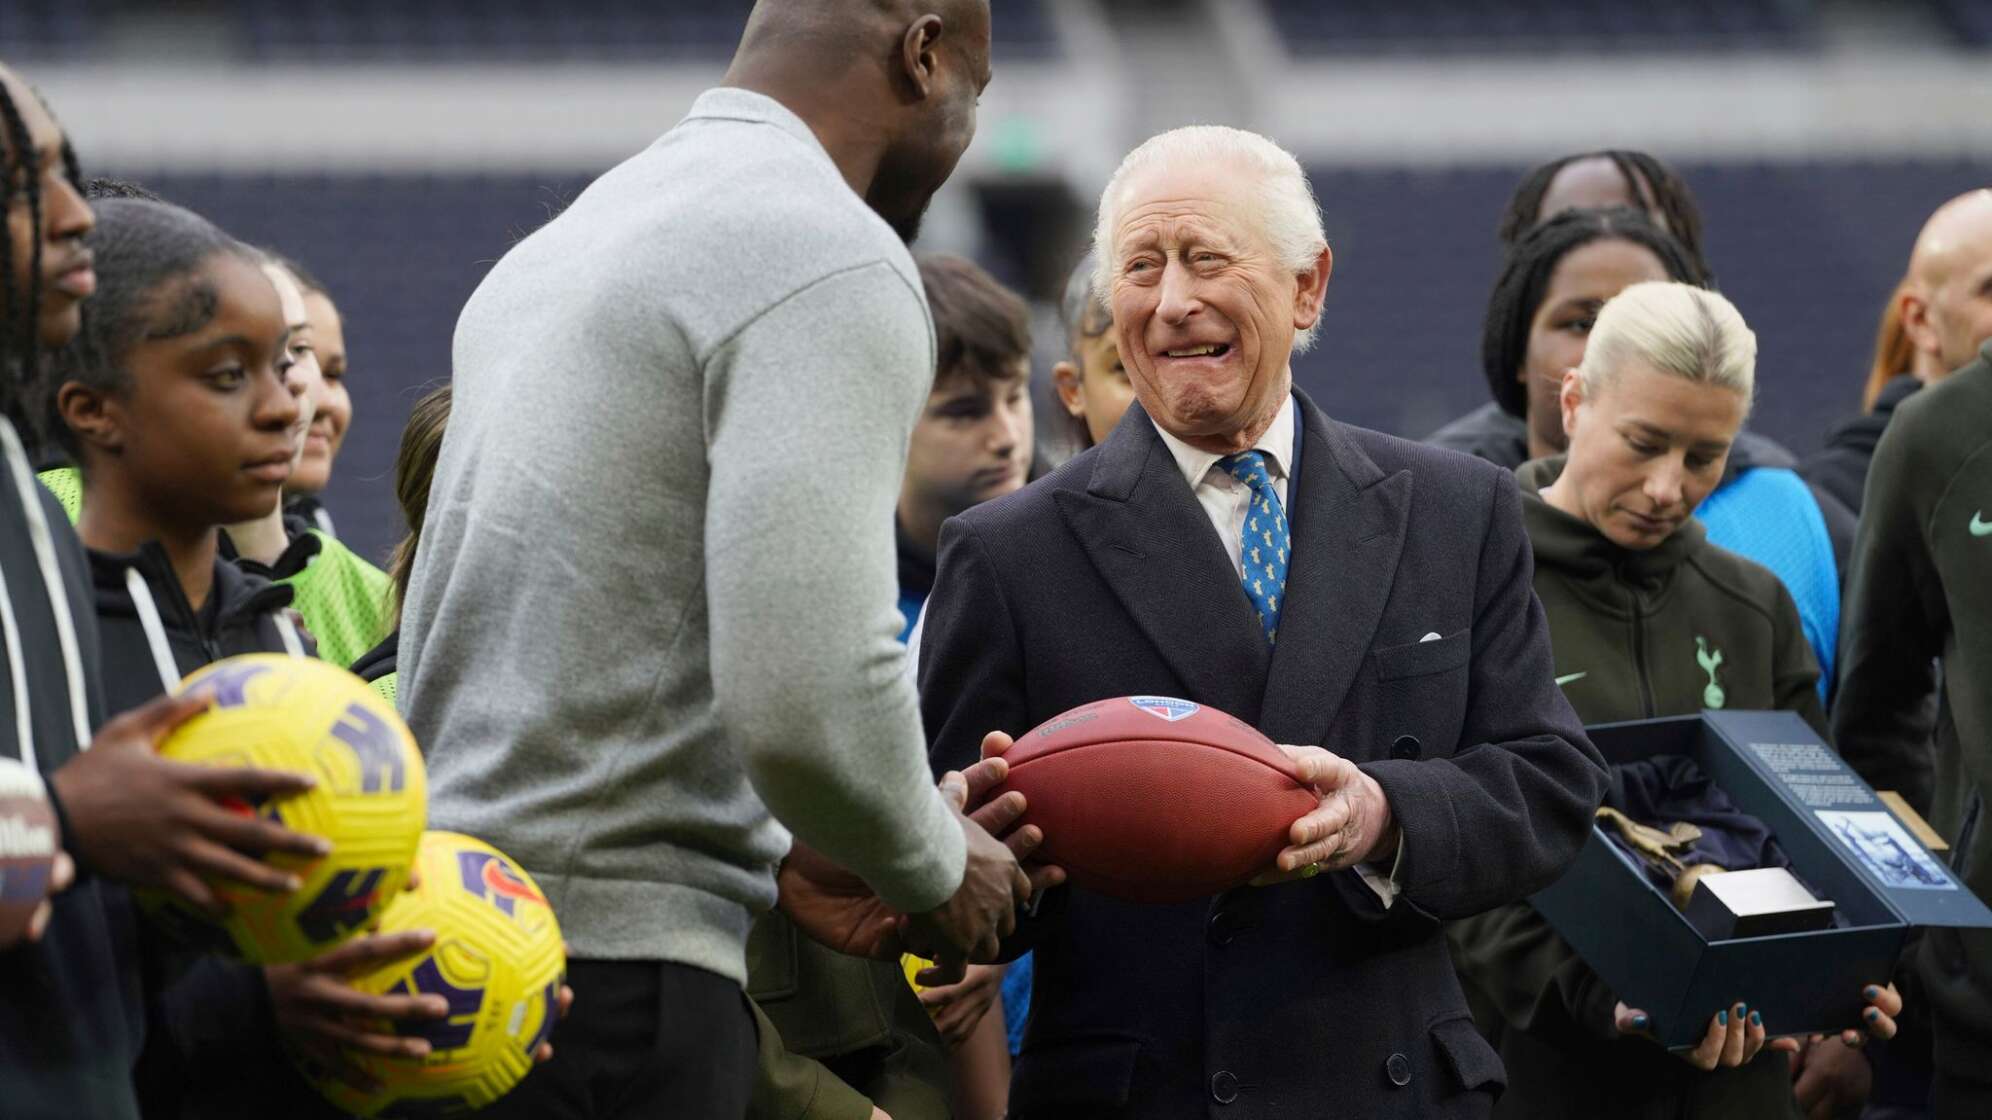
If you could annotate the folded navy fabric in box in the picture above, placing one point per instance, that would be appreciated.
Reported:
(1668, 788)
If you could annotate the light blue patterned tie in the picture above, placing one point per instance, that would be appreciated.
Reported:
(1263, 546)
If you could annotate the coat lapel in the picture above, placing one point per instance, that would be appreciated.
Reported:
(1150, 539)
(1348, 531)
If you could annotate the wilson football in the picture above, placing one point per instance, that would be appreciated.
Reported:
(1155, 799)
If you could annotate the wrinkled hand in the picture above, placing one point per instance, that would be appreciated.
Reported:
(1830, 1079)
(323, 1016)
(957, 1009)
(61, 873)
(152, 822)
(971, 925)
(1352, 825)
(1734, 1037)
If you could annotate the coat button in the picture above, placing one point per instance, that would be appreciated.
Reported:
(1223, 928)
(1398, 1068)
(1224, 1086)
(1406, 747)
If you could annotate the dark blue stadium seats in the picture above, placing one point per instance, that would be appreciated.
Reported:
(542, 30)
(48, 29)
(1807, 251)
(1446, 26)
(1969, 20)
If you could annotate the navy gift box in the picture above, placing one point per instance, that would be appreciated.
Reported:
(1842, 841)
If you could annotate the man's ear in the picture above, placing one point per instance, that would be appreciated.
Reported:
(1569, 397)
(91, 414)
(1915, 315)
(916, 53)
(1065, 378)
(1312, 290)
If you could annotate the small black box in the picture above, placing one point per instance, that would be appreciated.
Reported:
(1841, 839)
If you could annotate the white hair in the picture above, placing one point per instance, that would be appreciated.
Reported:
(1677, 329)
(1288, 216)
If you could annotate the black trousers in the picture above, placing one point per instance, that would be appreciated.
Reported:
(647, 1040)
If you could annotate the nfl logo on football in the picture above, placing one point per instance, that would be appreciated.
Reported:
(1164, 707)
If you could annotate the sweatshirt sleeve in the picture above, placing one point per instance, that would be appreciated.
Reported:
(1882, 717)
(808, 409)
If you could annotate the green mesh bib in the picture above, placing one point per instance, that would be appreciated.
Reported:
(344, 601)
(66, 483)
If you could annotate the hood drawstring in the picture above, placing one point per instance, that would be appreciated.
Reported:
(155, 629)
(17, 678)
(293, 644)
(58, 595)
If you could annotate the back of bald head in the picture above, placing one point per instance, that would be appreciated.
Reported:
(827, 36)
(1958, 232)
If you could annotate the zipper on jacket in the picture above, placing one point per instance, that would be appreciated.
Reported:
(1639, 661)
(176, 597)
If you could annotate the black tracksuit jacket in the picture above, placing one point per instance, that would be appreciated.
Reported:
(71, 1022)
(212, 1048)
(1920, 598)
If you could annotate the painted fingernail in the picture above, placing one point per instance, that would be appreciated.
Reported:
(1722, 1018)
(1741, 1008)
(1871, 992)
(1756, 1020)
(1639, 1022)
(1873, 1015)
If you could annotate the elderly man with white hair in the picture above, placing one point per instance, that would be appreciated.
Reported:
(1364, 597)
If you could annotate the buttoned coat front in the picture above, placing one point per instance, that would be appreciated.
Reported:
(1307, 999)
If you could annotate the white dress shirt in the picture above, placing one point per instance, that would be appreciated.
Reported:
(1226, 501)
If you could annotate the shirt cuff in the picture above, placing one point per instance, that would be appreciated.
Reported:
(1385, 885)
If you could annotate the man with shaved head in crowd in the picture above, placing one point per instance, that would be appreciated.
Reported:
(1947, 298)
(651, 630)
(1919, 621)
(1934, 324)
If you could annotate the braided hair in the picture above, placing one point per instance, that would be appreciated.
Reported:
(1656, 188)
(149, 287)
(20, 311)
(1524, 284)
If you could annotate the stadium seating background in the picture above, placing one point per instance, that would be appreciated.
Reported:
(1808, 251)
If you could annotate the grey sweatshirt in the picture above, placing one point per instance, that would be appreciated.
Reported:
(655, 598)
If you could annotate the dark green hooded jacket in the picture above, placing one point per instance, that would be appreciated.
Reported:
(1921, 595)
(1667, 631)
(1663, 632)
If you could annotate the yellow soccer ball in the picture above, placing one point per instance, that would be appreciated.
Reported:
(371, 801)
(499, 963)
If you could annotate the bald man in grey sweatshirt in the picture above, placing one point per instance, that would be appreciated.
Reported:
(651, 627)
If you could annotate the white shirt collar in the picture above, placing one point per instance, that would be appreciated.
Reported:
(1276, 443)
